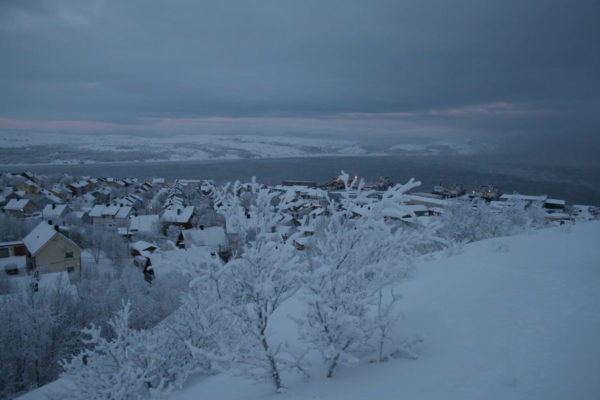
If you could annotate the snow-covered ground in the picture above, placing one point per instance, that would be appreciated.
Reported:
(507, 318)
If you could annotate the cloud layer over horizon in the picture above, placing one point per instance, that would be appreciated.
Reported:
(486, 70)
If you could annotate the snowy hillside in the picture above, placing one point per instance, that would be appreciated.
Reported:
(507, 318)
(60, 148)
(64, 148)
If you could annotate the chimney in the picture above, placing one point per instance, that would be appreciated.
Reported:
(53, 206)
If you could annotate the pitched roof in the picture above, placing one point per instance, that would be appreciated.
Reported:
(53, 212)
(16, 205)
(143, 223)
(142, 246)
(115, 211)
(38, 237)
(177, 214)
(213, 236)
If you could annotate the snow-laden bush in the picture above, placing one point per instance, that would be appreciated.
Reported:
(36, 331)
(351, 265)
(465, 222)
(130, 365)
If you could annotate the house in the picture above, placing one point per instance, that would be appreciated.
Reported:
(79, 188)
(28, 187)
(143, 224)
(50, 197)
(61, 191)
(55, 212)
(101, 196)
(30, 176)
(6, 195)
(213, 239)
(49, 251)
(80, 217)
(310, 184)
(521, 198)
(110, 215)
(427, 201)
(179, 216)
(142, 248)
(20, 208)
(555, 204)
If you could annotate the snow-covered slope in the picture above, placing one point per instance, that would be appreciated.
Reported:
(507, 318)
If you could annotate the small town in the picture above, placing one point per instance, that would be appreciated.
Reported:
(74, 222)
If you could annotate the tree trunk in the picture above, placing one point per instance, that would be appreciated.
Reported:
(274, 370)
(332, 365)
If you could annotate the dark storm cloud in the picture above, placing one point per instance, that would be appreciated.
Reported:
(120, 61)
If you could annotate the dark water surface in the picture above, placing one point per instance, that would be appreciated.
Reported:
(568, 183)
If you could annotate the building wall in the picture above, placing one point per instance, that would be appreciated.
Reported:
(52, 257)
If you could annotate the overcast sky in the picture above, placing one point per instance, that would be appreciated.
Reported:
(486, 70)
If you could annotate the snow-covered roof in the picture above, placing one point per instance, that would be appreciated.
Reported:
(89, 197)
(143, 223)
(427, 200)
(213, 236)
(38, 237)
(557, 216)
(123, 212)
(97, 210)
(78, 214)
(16, 205)
(177, 214)
(112, 210)
(13, 243)
(142, 246)
(406, 211)
(53, 210)
(555, 202)
(522, 197)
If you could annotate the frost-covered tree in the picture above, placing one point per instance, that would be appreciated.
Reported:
(13, 228)
(351, 263)
(259, 282)
(128, 366)
(465, 222)
(203, 329)
(36, 330)
(249, 210)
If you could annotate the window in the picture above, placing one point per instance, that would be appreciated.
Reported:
(4, 252)
(70, 269)
(69, 254)
(19, 250)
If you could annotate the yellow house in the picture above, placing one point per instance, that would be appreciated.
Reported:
(28, 187)
(50, 251)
